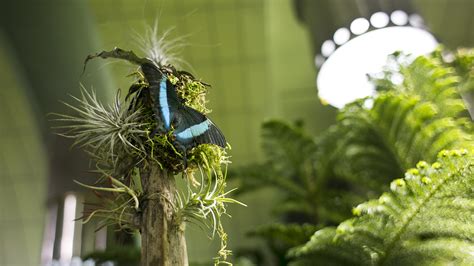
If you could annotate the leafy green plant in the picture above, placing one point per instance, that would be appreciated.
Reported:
(425, 219)
(137, 165)
(374, 141)
(288, 166)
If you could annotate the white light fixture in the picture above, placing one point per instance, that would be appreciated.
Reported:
(343, 70)
(67, 238)
(341, 36)
(416, 21)
(328, 48)
(359, 26)
(399, 18)
(379, 20)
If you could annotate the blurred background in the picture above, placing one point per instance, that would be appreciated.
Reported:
(258, 55)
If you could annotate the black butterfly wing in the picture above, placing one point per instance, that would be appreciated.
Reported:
(193, 128)
(165, 101)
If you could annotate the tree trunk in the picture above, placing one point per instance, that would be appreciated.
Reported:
(163, 242)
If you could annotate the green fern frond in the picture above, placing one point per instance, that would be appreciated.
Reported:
(287, 235)
(414, 129)
(407, 123)
(426, 219)
(433, 79)
(287, 145)
(434, 82)
(288, 167)
(464, 65)
(281, 237)
(375, 140)
(290, 155)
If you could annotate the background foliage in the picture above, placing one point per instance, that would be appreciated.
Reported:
(427, 215)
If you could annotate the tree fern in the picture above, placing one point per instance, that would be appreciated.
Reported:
(374, 140)
(409, 122)
(281, 237)
(288, 167)
(426, 219)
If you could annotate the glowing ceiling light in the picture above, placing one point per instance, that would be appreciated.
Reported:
(319, 60)
(416, 21)
(67, 238)
(341, 36)
(399, 18)
(342, 77)
(328, 48)
(379, 20)
(359, 26)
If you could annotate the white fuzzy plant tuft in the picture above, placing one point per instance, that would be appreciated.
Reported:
(104, 131)
(161, 47)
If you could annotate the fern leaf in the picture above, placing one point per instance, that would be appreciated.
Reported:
(288, 167)
(286, 234)
(417, 130)
(287, 147)
(426, 219)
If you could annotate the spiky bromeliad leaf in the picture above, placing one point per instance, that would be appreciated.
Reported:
(426, 219)
(107, 133)
(128, 149)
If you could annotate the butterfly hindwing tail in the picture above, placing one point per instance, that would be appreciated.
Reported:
(195, 128)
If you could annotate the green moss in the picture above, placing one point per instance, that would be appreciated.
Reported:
(160, 147)
(191, 90)
(134, 124)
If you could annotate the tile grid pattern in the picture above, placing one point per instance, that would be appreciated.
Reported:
(22, 172)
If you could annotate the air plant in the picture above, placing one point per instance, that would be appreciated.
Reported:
(137, 163)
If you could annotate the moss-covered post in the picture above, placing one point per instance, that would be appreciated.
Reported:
(138, 162)
(163, 242)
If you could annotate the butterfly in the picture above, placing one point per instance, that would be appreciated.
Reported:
(190, 127)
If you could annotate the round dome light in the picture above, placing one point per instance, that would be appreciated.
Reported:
(328, 48)
(399, 18)
(416, 20)
(341, 36)
(359, 26)
(379, 20)
(343, 77)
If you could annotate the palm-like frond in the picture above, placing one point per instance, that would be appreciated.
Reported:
(426, 218)
(369, 146)
(288, 234)
(411, 122)
(288, 167)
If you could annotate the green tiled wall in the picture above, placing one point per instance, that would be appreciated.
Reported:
(253, 53)
(22, 170)
(259, 63)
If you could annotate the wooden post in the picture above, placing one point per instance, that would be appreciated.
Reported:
(163, 242)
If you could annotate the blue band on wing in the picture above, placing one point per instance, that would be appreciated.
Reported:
(194, 131)
(163, 101)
